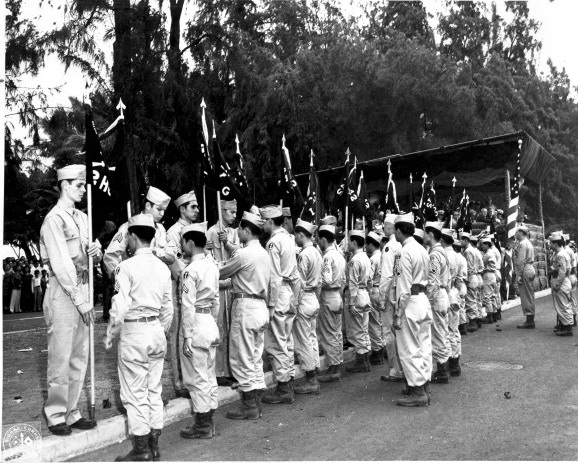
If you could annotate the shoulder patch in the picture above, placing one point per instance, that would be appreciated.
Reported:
(117, 270)
(271, 245)
(432, 269)
(387, 249)
(185, 289)
(118, 237)
(185, 275)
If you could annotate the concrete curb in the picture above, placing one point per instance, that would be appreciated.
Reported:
(516, 302)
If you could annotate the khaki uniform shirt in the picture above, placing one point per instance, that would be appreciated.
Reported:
(439, 270)
(461, 270)
(358, 273)
(174, 235)
(219, 252)
(333, 273)
(523, 256)
(310, 265)
(388, 257)
(452, 263)
(471, 260)
(412, 269)
(283, 255)
(490, 264)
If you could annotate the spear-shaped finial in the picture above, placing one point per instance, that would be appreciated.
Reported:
(454, 182)
(283, 140)
(120, 106)
(204, 124)
(389, 166)
(410, 177)
(203, 104)
(214, 131)
(237, 143)
(424, 176)
(312, 156)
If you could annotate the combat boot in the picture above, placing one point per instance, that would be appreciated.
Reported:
(283, 394)
(331, 375)
(489, 319)
(427, 390)
(566, 330)
(441, 376)
(248, 409)
(528, 324)
(472, 326)
(558, 325)
(154, 444)
(258, 396)
(201, 429)
(211, 413)
(140, 450)
(495, 317)
(479, 322)
(407, 389)
(462, 329)
(454, 366)
(499, 314)
(376, 357)
(417, 398)
(311, 385)
(361, 365)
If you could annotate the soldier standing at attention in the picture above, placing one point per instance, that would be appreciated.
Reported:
(461, 282)
(413, 314)
(142, 311)
(573, 281)
(331, 303)
(479, 266)
(200, 306)
(497, 296)
(188, 208)
(250, 273)
(283, 296)
(525, 273)
(68, 312)
(489, 279)
(357, 303)
(472, 281)
(375, 327)
(561, 286)
(309, 263)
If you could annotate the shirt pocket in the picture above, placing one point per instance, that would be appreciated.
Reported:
(72, 242)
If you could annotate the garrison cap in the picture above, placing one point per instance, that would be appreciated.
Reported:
(329, 220)
(328, 229)
(437, 225)
(405, 218)
(158, 197)
(390, 218)
(449, 233)
(556, 236)
(254, 219)
(255, 210)
(286, 212)
(523, 229)
(186, 198)
(309, 227)
(195, 227)
(465, 235)
(487, 239)
(566, 236)
(419, 233)
(142, 220)
(474, 238)
(271, 212)
(72, 172)
(358, 233)
(228, 205)
(374, 236)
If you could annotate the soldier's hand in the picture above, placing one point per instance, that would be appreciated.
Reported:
(107, 340)
(94, 249)
(188, 350)
(223, 237)
(397, 322)
(209, 246)
(88, 317)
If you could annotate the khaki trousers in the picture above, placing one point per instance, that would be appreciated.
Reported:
(175, 340)
(389, 334)
(224, 323)
(489, 292)
(375, 328)
(526, 289)
(356, 327)
(304, 334)
(562, 302)
(471, 298)
(141, 356)
(67, 355)
(573, 300)
(479, 298)
(414, 341)
(329, 325)
(454, 332)
(278, 339)
(249, 321)
(441, 349)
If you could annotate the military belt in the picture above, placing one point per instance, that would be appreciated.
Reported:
(313, 290)
(202, 310)
(330, 289)
(573, 271)
(246, 296)
(152, 318)
(417, 289)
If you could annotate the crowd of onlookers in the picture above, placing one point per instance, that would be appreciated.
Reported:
(24, 282)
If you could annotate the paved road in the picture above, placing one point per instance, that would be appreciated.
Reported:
(28, 321)
(469, 419)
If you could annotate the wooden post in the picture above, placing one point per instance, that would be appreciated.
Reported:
(507, 183)
(91, 301)
(541, 211)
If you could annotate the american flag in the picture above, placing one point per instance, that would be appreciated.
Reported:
(508, 270)
(514, 195)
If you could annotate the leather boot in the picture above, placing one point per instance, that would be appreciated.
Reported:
(499, 314)
(472, 326)
(332, 374)
(528, 324)
(211, 413)
(376, 357)
(407, 389)
(258, 395)
(454, 366)
(140, 450)
(248, 409)
(558, 325)
(441, 376)
(462, 329)
(360, 365)
(495, 317)
(311, 385)
(566, 330)
(283, 394)
(416, 398)
(201, 429)
(154, 444)
(489, 319)
(479, 322)
(427, 390)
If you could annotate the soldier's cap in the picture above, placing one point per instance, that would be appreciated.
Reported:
(419, 232)
(465, 235)
(523, 229)
(328, 229)
(328, 220)
(358, 233)
(555, 236)
(72, 172)
(374, 236)
(309, 227)
(449, 233)
(271, 212)
(487, 239)
(390, 218)
(379, 230)
(499, 211)
(141, 220)
(254, 219)
(437, 225)
(474, 238)
(195, 227)
(286, 212)
(405, 218)
(566, 236)
(186, 198)
(158, 197)
(255, 210)
(228, 205)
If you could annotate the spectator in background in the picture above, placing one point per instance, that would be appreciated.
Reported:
(27, 298)
(7, 273)
(37, 290)
(16, 289)
(43, 285)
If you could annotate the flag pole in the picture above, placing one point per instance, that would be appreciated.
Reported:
(205, 203)
(92, 412)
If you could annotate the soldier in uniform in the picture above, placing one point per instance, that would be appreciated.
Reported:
(357, 303)
(419, 236)
(573, 281)
(375, 328)
(479, 265)
(68, 312)
(525, 273)
(156, 203)
(497, 296)
(250, 273)
(389, 257)
(188, 208)
(439, 278)
(309, 263)
(413, 316)
(489, 279)
(471, 305)
(288, 220)
(461, 282)
(283, 295)
(331, 303)
(200, 308)
(561, 286)
(223, 241)
(142, 311)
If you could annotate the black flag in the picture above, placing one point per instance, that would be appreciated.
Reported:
(310, 212)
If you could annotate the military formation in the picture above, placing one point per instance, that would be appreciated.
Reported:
(216, 299)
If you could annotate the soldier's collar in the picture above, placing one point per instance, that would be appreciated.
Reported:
(62, 205)
(279, 230)
(198, 257)
(184, 221)
(143, 251)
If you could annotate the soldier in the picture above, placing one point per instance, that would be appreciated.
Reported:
(561, 286)
(357, 303)
(419, 236)
(497, 296)
(310, 265)
(471, 304)
(461, 284)
(489, 279)
(525, 273)
(68, 312)
(389, 257)
(439, 278)
(200, 308)
(188, 208)
(331, 220)
(223, 240)
(282, 298)
(155, 204)
(375, 328)
(288, 220)
(479, 265)
(573, 281)
(250, 273)
(142, 311)
(412, 316)
(331, 304)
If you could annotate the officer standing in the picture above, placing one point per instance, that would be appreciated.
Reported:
(200, 307)
(142, 311)
(357, 303)
(471, 305)
(561, 285)
(309, 263)
(525, 273)
(68, 312)
(188, 208)
(489, 279)
(375, 328)
(250, 273)
(331, 303)
(413, 316)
